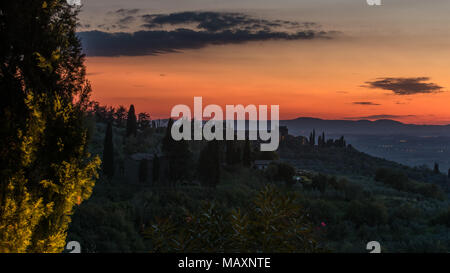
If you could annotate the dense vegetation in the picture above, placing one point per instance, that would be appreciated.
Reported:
(341, 200)
(46, 168)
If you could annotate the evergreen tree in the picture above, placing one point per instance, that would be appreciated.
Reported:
(120, 115)
(46, 169)
(155, 170)
(143, 121)
(208, 168)
(312, 138)
(229, 152)
(178, 157)
(436, 168)
(247, 156)
(108, 153)
(237, 158)
(143, 171)
(131, 122)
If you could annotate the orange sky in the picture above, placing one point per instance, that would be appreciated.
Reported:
(318, 78)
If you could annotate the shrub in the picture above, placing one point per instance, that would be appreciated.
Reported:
(272, 223)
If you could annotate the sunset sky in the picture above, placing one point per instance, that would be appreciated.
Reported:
(331, 59)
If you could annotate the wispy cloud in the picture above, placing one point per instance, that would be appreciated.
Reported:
(368, 103)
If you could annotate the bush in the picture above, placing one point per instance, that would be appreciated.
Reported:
(369, 213)
(443, 218)
(273, 223)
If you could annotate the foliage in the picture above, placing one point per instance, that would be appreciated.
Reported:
(178, 157)
(247, 154)
(131, 122)
(400, 181)
(282, 172)
(46, 169)
(208, 168)
(143, 170)
(273, 223)
(108, 153)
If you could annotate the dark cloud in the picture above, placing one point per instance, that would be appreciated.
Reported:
(126, 20)
(219, 21)
(126, 12)
(405, 86)
(365, 103)
(210, 28)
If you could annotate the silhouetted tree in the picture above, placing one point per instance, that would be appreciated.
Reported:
(229, 152)
(312, 138)
(143, 170)
(46, 169)
(436, 168)
(108, 153)
(178, 157)
(208, 168)
(237, 158)
(131, 122)
(247, 156)
(286, 173)
(155, 170)
(143, 121)
(120, 115)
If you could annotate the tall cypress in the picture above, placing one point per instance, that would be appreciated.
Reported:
(108, 153)
(208, 168)
(178, 157)
(45, 165)
(229, 152)
(436, 168)
(155, 169)
(247, 157)
(131, 122)
(143, 171)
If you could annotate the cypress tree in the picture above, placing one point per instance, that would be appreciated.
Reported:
(209, 165)
(314, 137)
(237, 159)
(131, 122)
(436, 168)
(155, 170)
(178, 157)
(143, 171)
(46, 169)
(108, 153)
(229, 152)
(247, 157)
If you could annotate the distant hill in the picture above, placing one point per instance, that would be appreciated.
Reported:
(303, 126)
(350, 161)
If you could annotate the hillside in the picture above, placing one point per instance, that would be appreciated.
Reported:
(346, 199)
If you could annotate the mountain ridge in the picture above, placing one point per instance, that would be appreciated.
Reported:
(304, 125)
